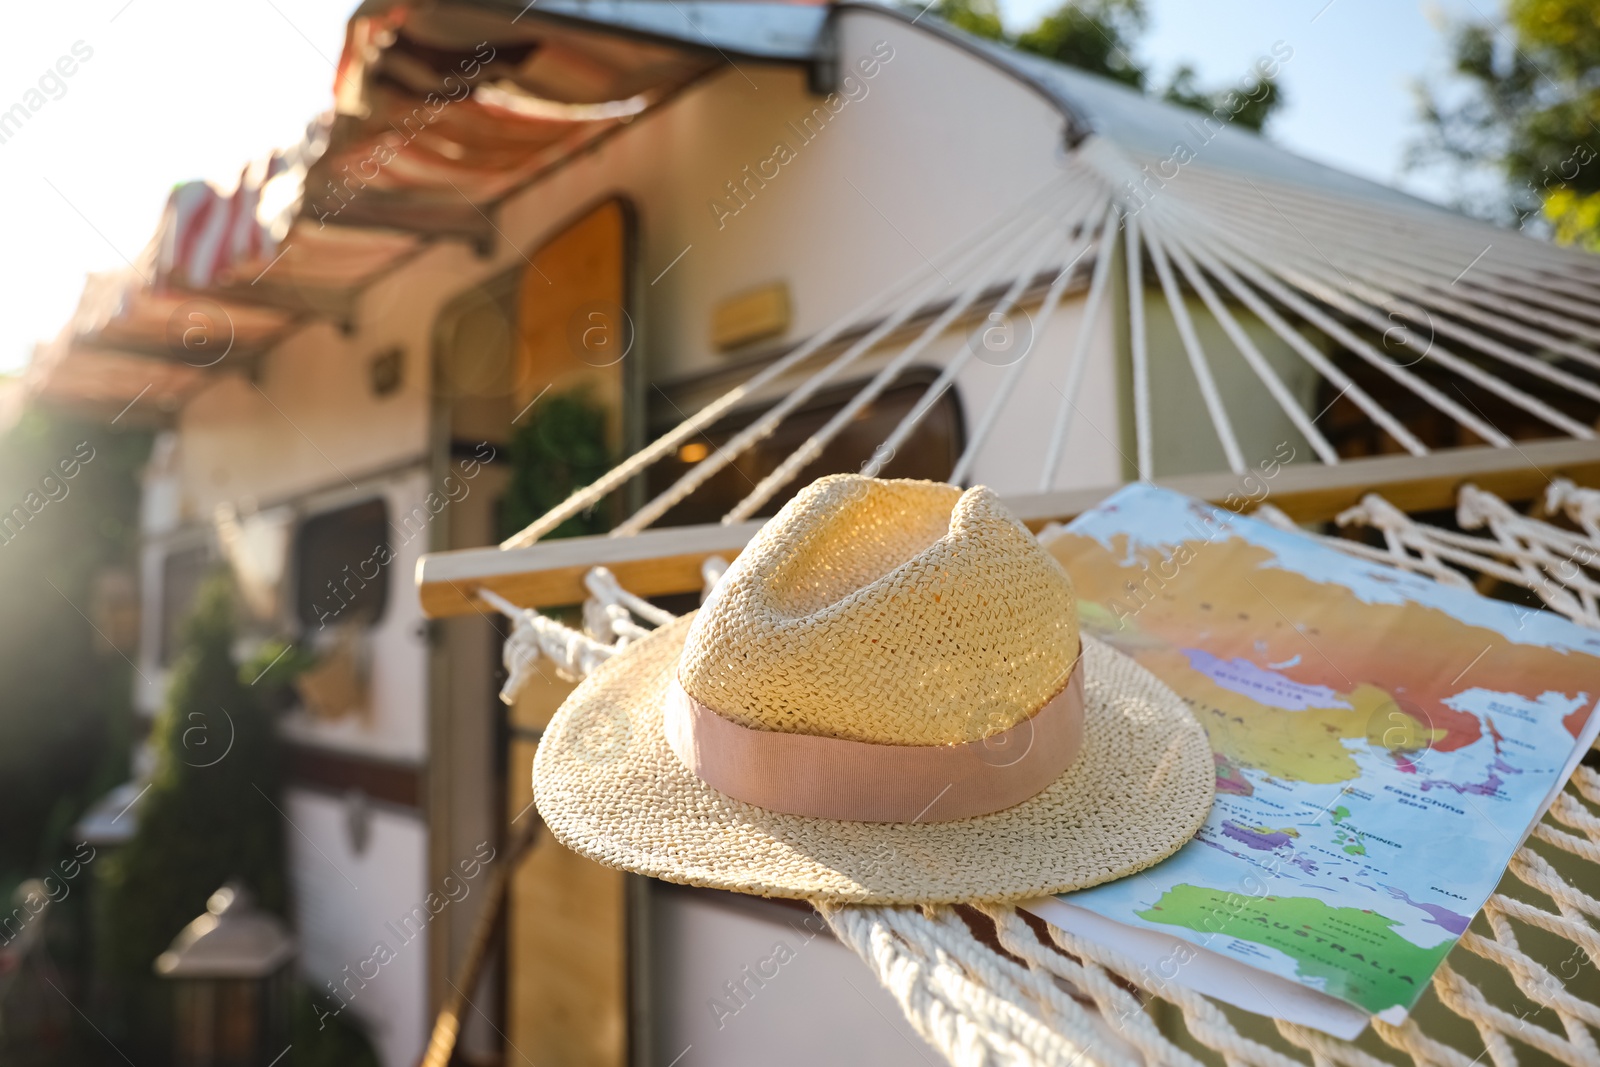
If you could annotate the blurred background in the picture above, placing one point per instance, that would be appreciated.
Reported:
(238, 598)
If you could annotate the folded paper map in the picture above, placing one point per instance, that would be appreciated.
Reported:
(1383, 743)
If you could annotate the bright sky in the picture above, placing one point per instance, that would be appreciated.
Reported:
(180, 89)
(1350, 85)
(173, 89)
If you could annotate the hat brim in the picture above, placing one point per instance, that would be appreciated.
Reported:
(609, 787)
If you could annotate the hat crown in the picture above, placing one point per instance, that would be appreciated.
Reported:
(886, 611)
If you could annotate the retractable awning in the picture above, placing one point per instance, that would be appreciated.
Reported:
(440, 112)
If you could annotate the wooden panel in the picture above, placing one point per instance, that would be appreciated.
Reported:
(1313, 492)
(661, 562)
(657, 562)
(572, 330)
(566, 939)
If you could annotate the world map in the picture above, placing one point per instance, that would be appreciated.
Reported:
(1382, 741)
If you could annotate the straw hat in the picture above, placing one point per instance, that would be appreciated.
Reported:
(885, 700)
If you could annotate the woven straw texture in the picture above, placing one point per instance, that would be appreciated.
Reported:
(887, 611)
(610, 788)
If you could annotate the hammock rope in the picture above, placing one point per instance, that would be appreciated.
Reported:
(1343, 284)
(1445, 308)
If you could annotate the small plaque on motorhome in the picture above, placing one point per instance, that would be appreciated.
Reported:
(752, 315)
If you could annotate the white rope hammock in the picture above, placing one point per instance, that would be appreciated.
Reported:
(1442, 308)
(1428, 310)
(1054, 999)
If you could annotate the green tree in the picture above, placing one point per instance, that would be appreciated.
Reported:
(1101, 37)
(1096, 35)
(981, 18)
(1517, 125)
(1256, 100)
(212, 810)
(213, 813)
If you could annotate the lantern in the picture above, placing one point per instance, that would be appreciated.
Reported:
(231, 969)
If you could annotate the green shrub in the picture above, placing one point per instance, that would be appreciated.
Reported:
(326, 1037)
(213, 809)
(560, 449)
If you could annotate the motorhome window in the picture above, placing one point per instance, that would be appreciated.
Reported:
(930, 452)
(182, 571)
(342, 562)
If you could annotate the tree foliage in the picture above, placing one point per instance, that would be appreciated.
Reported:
(1250, 105)
(1518, 122)
(1101, 37)
(981, 18)
(1097, 35)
